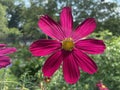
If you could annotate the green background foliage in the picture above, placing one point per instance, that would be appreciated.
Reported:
(18, 28)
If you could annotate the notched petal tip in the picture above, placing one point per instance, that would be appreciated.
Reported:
(91, 46)
(5, 65)
(66, 21)
(13, 49)
(50, 27)
(73, 81)
(84, 29)
(44, 47)
(4, 61)
(7, 50)
(90, 21)
(2, 45)
(42, 17)
(66, 8)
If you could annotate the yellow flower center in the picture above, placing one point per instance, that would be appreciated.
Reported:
(103, 86)
(67, 44)
(47, 79)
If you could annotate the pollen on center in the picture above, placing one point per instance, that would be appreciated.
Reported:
(67, 44)
(103, 86)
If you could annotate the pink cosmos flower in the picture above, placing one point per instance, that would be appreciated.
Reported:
(101, 86)
(5, 60)
(68, 48)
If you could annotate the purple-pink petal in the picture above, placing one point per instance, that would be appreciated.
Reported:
(2, 45)
(66, 20)
(91, 46)
(84, 29)
(7, 50)
(44, 47)
(52, 64)
(4, 61)
(85, 62)
(51, 28)
(70, 68)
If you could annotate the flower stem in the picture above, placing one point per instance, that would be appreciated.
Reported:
(3, 80)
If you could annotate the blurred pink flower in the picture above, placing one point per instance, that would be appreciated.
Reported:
(4, 51)
(68, 48)
(101, 86)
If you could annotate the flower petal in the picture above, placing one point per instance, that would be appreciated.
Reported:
(91, 46)
(85, 62)
(70, 69)
(2, 45)
(84, 29)
(44, 47)
(4, 61)
(4, 51)
(50, 27)
(52, 64)
(66, 20)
